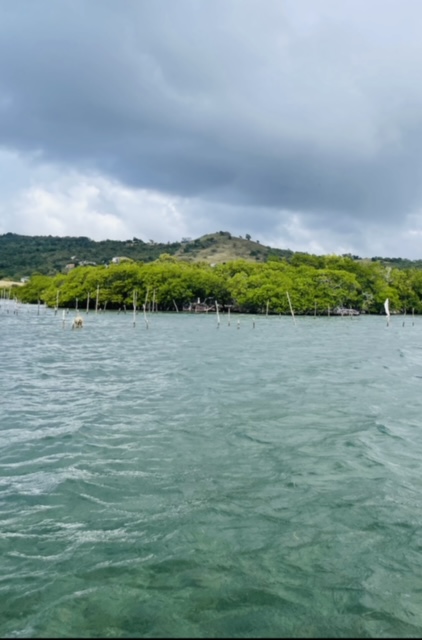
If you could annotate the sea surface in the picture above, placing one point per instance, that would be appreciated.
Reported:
(190, 479)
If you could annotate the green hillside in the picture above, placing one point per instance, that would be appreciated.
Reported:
(21, 256)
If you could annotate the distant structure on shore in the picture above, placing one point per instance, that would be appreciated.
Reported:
(345, 311)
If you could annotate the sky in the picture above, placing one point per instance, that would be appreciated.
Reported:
(298, 122)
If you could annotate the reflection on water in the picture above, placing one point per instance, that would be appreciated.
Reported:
(189, 481)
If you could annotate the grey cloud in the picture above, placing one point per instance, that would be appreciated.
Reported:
(301, 106)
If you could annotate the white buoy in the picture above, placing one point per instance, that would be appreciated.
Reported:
(387, 310)
(78, 322)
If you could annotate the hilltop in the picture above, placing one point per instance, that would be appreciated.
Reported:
(216, 248)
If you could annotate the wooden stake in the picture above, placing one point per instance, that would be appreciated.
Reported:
(145, 316)
(218, 314)
(134, 307)
(291, 308)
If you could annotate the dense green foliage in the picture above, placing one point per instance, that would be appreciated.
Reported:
(21, 256)
(321, 281)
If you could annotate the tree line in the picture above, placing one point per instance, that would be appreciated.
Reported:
(314, 283)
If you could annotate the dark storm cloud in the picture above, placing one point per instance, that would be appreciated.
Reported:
(307, 106)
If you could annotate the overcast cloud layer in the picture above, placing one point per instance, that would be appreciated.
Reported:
(297, 121)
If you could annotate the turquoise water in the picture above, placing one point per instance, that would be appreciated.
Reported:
(185, 480)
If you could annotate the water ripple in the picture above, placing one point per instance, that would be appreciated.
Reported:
(185, 481)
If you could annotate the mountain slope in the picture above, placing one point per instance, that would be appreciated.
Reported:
(21, 256)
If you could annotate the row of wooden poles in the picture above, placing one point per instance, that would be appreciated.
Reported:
(5, 299)
(154, 307)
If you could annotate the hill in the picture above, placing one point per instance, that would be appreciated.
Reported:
(21, 256)
(216, 248)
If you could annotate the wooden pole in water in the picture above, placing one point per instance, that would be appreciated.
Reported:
(145, 316)
(413, 316)
(64, 318)
(291, 308)
(218, 314)
(97, 298)
(134, 307)
(228, 321)
(87, 303)
(315, 310)
(174, 302)
(38, 311)
(266, 310)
